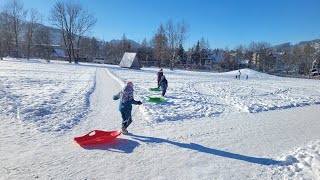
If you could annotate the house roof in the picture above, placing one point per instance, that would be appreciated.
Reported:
(59, 52)
(216, 56)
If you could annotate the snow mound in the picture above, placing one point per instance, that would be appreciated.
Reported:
(51, 97)
(252, 74)
(304, 163)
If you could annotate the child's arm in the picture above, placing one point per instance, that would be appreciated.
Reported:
(117, 96)
(135, 102)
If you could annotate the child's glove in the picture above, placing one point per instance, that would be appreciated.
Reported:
(115, 97)
(139, 102)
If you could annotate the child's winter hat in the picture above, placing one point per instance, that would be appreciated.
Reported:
(161, 70)
(130, 84)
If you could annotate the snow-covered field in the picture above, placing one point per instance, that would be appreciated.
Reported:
(50, 98)
(193, 95)
(211, 125)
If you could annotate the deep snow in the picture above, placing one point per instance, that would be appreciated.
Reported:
(211, 125)
(52, 98)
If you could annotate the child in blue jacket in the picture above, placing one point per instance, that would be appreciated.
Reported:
(125, 105)
(159, 76)
(164, 85)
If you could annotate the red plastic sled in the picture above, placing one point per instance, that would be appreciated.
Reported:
(97, 137)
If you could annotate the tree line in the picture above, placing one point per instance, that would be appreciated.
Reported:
(22, 32)
(285, 58)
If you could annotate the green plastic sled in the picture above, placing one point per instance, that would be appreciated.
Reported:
(155, 99)
(154, 89)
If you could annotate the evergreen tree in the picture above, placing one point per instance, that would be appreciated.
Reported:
(181, 55)
(125, 44)
(143, 53)
(196, 55)
(94, 47)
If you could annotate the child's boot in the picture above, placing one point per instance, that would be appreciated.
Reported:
(124, 131)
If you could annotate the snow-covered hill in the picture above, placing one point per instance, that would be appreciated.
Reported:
(211, 125)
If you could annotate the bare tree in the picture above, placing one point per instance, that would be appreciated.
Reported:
(265, 60)
(204, 44)
(176, 35)
(160, 45)
(58, 18)
(84, 23)
(73, 21)
(252, 46)
(309, 53)
(6, 35)
(297, 56)
(252, 53)
(172, 36)
(183, 30)
(240, 55)
(2, 35)
(16, 13)
(1, 44)
(31, 25)
(42, 39)
(285, 56)
(227, 59)
(124, 44)
(116, 49)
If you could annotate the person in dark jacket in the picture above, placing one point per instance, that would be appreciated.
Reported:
(159, 74)
(163, 85)
(125, 105)
(239, 74)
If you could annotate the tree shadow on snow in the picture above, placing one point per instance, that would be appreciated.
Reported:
(200, 148)
(117, 145)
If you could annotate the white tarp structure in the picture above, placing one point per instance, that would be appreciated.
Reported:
(130, 60)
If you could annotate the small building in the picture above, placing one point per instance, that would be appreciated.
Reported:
(130, 60)
(49, 51)
(14, 54)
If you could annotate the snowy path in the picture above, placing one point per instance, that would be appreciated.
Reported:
(102, 107)
(245, 146)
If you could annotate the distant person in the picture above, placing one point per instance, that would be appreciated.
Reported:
(239, 74)
(163, 85)
(247, 77)
(159, 76)
(125, 105)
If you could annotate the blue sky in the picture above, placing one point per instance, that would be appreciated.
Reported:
(225, 23)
